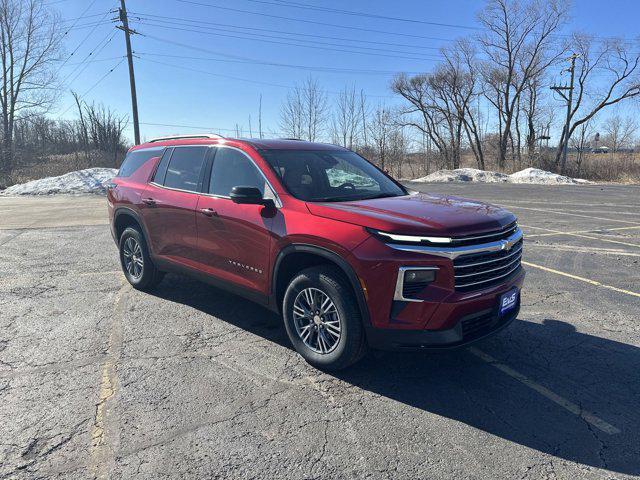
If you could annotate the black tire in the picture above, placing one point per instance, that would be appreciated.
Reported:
(148, 276)
(351, 345)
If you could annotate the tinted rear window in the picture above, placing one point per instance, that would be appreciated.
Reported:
(134, 160)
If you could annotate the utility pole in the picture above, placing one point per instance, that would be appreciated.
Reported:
(569, 99)
(132, 78)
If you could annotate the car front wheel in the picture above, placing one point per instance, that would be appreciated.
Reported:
(322, 318)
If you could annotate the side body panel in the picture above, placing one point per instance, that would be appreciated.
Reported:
(234, 241)
(170, 222)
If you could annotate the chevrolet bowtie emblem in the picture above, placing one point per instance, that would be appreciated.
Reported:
(507, 244)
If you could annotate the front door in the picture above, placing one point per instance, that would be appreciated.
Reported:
(233, 239)
(169, 204)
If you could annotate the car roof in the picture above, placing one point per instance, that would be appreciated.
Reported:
(257, 143)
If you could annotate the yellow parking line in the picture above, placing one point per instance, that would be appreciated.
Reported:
(582, 279)
(558, 232)
(579, 234)
(545, 392)
(571, 214)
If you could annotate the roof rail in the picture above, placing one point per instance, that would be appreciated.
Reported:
(180, 137)
(296, 139)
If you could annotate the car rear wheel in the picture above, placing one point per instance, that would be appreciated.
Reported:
(136, 264)
(322, 318)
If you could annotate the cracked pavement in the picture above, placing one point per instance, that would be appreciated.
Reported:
(98, 380)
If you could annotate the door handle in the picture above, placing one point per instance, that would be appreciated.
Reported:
(149, 201)
(209, 212)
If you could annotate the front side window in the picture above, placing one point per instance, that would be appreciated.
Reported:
(330, 175)
(184, 168)
(232, 168)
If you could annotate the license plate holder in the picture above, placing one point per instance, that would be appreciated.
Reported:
(508, 301)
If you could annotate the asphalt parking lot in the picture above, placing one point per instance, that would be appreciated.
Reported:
(99, 380)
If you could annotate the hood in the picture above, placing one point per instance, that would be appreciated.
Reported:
(418, 214)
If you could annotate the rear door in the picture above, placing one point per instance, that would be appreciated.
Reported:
(169, 204)
(234, 240)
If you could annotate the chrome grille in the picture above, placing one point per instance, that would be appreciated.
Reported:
(481, 270)
(503, 233)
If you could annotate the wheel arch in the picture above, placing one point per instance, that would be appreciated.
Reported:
(296, 257)
(125, 217)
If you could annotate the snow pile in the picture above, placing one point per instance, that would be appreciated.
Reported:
(528, 175)
(91, 180)
(464, 175)
(535, 175)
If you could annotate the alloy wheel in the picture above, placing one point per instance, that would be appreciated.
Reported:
(133, 260)
(316, 320)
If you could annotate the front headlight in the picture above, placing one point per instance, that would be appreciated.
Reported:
(411, 239)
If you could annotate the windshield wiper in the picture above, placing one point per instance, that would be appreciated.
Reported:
(353, 198)
(382, 195)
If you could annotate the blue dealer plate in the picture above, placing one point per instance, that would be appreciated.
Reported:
(508, 301)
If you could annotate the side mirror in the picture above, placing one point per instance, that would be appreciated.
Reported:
(247, 196)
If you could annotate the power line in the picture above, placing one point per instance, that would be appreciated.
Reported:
(352, 27)
(73, 25)
(109, 72)
(325, 24)
(97, 49)
(67, 20)
(283, 65)
(188, 21)
(361, 14)
(248, 80)
(317, 46)
(82, 42)
(97, 60)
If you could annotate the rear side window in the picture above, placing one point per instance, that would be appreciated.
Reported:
(184, 168)
(134, 160)
(232, 168)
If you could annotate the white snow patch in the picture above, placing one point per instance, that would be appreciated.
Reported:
(528, 175)
(90, 180)
(464, 175)
(535, 175)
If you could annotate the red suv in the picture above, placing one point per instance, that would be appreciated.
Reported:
(348, 256)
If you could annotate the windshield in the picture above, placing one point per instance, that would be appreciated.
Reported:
(330, 175)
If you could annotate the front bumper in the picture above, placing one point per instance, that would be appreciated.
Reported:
(469, 329)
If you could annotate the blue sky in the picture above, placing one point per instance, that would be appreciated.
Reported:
(197, 67)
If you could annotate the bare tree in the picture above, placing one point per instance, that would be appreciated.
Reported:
(316, 109)
(105, 129)
(304, 113)
(463, 77)
(581, 143)
(380, 129)
(346, 124)
(533, 110)
(431, 97)
(591, 96)
(29, 46)
(398, 143)
(519, 44)
(292, 114)
(619, 132)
